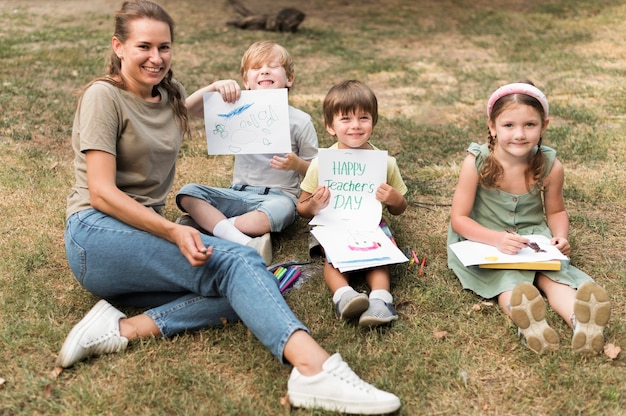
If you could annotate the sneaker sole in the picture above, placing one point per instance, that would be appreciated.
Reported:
(528, 312)
(369, 321)
(592, 311)
(67, 356)
(355, 307)
(315, 402)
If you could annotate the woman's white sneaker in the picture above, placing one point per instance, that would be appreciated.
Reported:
(338, 388)
(97, 333)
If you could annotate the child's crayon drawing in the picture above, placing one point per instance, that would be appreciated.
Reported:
(257, 123)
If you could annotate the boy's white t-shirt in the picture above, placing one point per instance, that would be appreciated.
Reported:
(255, 170)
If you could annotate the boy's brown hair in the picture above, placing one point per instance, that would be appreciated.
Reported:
(347, 97)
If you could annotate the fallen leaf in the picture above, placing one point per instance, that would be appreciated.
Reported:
(486, 303)
(612, 351)
(464, 377)
(440, 334)
(476, 307)
(2, 381)
(284, 401)
(56, 371)
(47, 391)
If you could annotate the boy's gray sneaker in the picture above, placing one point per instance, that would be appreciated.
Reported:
(378, 313)
(97, 333)
(352, 304)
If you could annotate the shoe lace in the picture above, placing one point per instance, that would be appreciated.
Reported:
(107, 343)
(345, 373)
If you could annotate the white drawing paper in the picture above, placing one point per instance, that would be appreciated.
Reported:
(471, 253)
(257, 123)
(351, 249)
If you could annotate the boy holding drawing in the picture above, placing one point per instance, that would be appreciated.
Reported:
(265, 187)
(513, 185)
(350, 114)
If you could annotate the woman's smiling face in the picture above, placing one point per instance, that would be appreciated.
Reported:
(145, 55)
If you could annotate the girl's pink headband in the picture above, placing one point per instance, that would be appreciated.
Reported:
(518, 88)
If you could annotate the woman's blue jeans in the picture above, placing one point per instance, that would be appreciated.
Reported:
(131, 267)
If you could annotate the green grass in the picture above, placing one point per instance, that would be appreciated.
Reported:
(433, 65)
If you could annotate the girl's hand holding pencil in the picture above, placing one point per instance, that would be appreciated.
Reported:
(511, 242)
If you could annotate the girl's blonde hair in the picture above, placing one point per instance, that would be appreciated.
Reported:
(491, 172)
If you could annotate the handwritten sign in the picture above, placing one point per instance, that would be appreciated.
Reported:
(352, 176)
(257, 123)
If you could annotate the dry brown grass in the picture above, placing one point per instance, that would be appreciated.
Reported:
(432, 64)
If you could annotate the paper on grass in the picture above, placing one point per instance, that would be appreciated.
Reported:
(471, 253)
(355, 249)
(352, 177)
(257, 123)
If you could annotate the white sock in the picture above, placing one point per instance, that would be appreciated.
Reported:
(232, 220)
(382, 295)
(226, 230)
(339, 293)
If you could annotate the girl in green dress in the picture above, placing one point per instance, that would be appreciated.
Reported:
(512, 187)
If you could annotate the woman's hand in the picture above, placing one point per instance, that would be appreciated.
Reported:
(190, 244)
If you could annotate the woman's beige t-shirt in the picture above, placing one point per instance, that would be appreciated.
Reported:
(144, 137)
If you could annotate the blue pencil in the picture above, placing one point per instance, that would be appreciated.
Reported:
(287, 275)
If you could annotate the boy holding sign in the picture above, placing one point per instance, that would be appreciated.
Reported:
(265, 187)
(350, 114)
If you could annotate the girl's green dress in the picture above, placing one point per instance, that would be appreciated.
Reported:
(500, 211)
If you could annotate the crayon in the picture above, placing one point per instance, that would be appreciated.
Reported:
(422, 266)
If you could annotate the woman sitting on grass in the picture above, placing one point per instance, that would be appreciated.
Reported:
(127, 131)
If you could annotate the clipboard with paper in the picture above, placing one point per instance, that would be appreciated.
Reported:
(472, 253)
